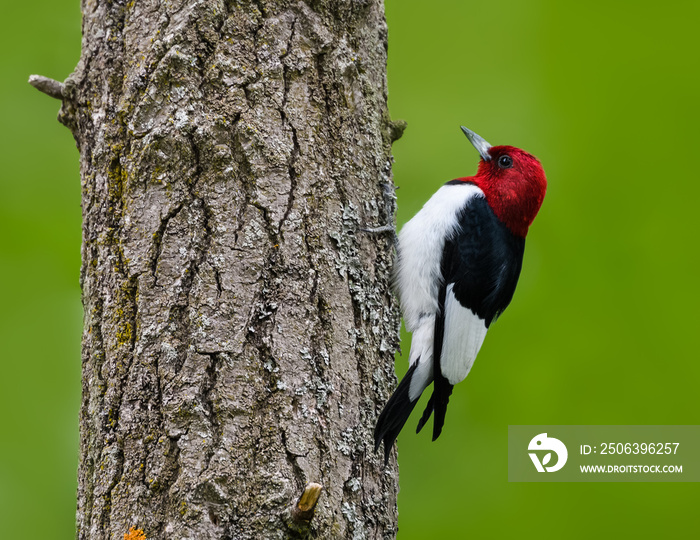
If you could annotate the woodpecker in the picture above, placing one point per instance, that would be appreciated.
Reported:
(457, 266)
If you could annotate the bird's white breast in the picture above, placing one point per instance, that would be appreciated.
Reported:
(421, 242)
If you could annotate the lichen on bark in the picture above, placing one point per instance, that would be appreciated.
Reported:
(239, 328)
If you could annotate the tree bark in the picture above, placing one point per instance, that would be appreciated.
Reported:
(239, 328)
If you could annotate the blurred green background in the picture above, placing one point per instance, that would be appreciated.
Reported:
(603, 326)
(41, 314)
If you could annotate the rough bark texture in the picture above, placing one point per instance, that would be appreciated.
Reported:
(239, 329)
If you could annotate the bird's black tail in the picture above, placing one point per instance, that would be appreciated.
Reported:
(442, 390)
(395, 413)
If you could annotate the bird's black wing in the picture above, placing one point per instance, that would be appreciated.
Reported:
(484, 260)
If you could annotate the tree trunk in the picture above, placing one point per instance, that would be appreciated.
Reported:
(239, 328)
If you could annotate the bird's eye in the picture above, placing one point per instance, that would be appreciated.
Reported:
(505, 162)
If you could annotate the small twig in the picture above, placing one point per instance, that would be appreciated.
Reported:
(50, 87)
(378, 230)
(384, 229)
(389, 190)
(303, 511)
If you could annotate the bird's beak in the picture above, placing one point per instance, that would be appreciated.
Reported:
(479, 143)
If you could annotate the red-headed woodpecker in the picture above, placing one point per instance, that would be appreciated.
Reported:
(458, 262)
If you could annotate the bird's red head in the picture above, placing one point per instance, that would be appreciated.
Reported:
(512, 180)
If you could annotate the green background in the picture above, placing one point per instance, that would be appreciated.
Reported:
(602, 329)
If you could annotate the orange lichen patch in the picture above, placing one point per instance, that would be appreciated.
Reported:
(135, 534)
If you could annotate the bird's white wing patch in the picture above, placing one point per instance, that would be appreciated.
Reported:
(464, 334)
